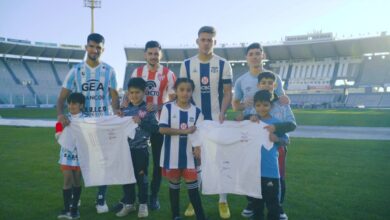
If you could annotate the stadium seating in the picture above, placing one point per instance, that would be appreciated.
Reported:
(40, 86)
(361, 99)
(376, 71)
(312, 72)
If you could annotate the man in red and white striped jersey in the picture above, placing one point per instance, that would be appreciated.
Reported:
(159, 89)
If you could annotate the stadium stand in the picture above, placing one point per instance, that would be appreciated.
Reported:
(317, 70)
(31, 74)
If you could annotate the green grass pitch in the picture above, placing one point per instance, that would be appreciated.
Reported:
(326, 179)
(325, 117)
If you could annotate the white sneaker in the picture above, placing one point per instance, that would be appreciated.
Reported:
(283, 216)
(102, 208)
(143, 211)
(247, 213)
(126, 209)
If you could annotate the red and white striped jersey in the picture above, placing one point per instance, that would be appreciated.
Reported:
(159, 84)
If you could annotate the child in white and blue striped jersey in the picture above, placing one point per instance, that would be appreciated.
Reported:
(178, 119)
(69, 162)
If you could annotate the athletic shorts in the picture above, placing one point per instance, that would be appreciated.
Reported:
(66, 167)
(187, 174)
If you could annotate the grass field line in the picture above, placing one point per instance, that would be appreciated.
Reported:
(333, 132)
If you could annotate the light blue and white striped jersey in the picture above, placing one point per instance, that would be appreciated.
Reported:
(209, 78)
(245, 88)
(94, 84)
(177, 149)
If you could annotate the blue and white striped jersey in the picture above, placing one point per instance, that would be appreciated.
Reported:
(209, 79)
(177, 149)
(94, 84)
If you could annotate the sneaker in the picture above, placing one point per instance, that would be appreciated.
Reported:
(75, 214)
(283, 216)
(154, 204)
(64, 215)
(126, 209)
(247, 213)
(143, 211)
(101, 208)
(224, 211)
(116, 208)
(189, 211)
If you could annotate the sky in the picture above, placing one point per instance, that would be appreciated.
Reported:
(174, 23)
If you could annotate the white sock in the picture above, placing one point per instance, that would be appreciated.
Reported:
(222, 198)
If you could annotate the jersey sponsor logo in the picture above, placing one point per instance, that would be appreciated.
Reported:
(95, 109)
(205, 86)
(92, 85)
(192, 119)
(94, 97)
(214, 69)
(151, 88)
(183, 126)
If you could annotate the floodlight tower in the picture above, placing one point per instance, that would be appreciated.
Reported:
(92, 4)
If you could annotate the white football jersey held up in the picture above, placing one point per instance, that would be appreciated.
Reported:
(231, 156)
(102, 148)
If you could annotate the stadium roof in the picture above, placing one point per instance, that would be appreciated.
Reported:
(40, 49)
(290, 51)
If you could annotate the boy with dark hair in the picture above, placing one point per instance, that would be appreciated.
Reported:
(69, 162)
(160, 81)
(139, 149)
(269, 161)
(282, 112)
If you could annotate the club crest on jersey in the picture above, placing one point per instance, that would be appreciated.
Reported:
(205, 80)
(214, 69)
(92, 85)
(160, 77)
(183, 126)
(141, 114)
(204, 86)
(192, 119)
(194, 70)
(81, 71)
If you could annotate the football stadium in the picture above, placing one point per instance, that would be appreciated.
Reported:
(338, 157)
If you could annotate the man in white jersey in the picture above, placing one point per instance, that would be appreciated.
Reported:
(96, 80)
(159, 81)
(213, 86)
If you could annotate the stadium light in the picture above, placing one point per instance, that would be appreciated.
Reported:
(92, 4)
